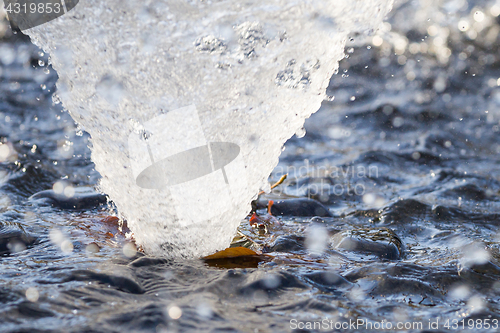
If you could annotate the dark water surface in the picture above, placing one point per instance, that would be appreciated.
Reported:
(405, 158)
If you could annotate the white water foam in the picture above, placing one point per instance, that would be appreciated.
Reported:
(253, 70)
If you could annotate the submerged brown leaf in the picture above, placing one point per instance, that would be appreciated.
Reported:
(232, 252)
(235, 257)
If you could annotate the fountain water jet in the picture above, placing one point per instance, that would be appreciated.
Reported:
(254, 71)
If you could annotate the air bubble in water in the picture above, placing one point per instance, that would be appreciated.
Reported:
(110, 89)
(55, 99)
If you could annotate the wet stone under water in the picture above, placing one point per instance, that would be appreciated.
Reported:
(407, 170)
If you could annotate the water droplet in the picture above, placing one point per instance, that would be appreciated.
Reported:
(69, 191)
(67, 246)
(398, 122)
(300, 133)
(356, 294)
(459, 292)
(271, 281)
(32, 294)
(56, 99)
(92, 248)
(58, 187)
(129, 250)
(174, 312)
(476, 304)
(5, 152)
(204, 310)
(317, 239)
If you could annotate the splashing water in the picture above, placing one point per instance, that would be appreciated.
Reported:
(250, 72)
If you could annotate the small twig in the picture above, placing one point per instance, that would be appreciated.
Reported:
(278, 183)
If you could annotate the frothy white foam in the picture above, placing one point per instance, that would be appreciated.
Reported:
(253, 70)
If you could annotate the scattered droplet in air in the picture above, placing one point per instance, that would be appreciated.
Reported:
(317, 238)
(15, 246)
(92, 248)
(373, 200)
(459, 292)
(67, 246)
(204, 310)
(58, 187)
(398, 122)
(475, 254)
(69, 191)
(32, 294)
(478, 16)
(271, 281)
(129, 250)
(58, 238)
(174, 312)
(5, 152)
(300, 133)
(356, 294)
(476, 304)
